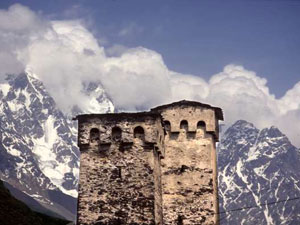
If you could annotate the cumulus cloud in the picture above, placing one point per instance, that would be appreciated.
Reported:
(19, 18)
(184, 86)
(247, 93)
(136, 79)
(18, 25)
(116, 50)
(242, 94)
(66, 56)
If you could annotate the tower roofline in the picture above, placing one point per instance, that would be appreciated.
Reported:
(218, 111)
(119, 116)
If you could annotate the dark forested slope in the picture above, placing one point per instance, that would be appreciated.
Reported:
(13, 211)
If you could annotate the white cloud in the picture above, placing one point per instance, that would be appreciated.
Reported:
(244, 95)
(18, 18)
(116, 50)
(18, 25)
(137, 79)
(291, 100)
(188, 87)
(66, 56)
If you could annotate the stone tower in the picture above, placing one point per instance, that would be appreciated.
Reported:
(189, 170)
(156, 167)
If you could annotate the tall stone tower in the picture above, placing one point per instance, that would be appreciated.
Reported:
(189, 170)
(156, 167)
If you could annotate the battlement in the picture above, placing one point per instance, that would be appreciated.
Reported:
(190, 116)
(99, 131)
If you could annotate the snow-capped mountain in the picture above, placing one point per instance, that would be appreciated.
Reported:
(259, 176)
(38, 149)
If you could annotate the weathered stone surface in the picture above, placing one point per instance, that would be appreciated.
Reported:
(155, 167)
(189, 184)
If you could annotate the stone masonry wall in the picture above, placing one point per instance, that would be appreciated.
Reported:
(120, 181)
(187, 175)
(189, 183)
(156, 167)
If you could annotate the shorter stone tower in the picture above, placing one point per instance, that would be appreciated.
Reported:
(156, 167)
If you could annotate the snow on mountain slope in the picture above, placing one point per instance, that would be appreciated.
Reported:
(97, 95)
(39, 156)
(258, 173)
(33, 121)
(38, 142)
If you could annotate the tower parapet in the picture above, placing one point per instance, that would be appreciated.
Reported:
(102, 130)
(196, 115)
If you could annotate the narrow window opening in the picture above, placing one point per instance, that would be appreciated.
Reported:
(139, 133)
(94, 135)
(180, 220)
(184, 125)
(167, 125)
(119, 172)
(116, 173)
(116, 134)
(201, 124)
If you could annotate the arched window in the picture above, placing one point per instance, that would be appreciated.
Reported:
(167, 125)
(184, 125)
(201, 124)
(139, 132)
(116, 134)
(94, 135)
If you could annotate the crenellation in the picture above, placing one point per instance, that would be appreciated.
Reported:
(156, 167)
(197, 115)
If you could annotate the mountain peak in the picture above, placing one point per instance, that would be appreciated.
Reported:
(37, 139)
(243, 124)
(258, 167)
(241, 128)
(20, 81)
(272, 132)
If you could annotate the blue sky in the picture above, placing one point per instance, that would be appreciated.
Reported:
(145, 53)
(196, 37)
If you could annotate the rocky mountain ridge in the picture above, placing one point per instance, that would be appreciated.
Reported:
(259, 179)
(39, 156)
(39, 153)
